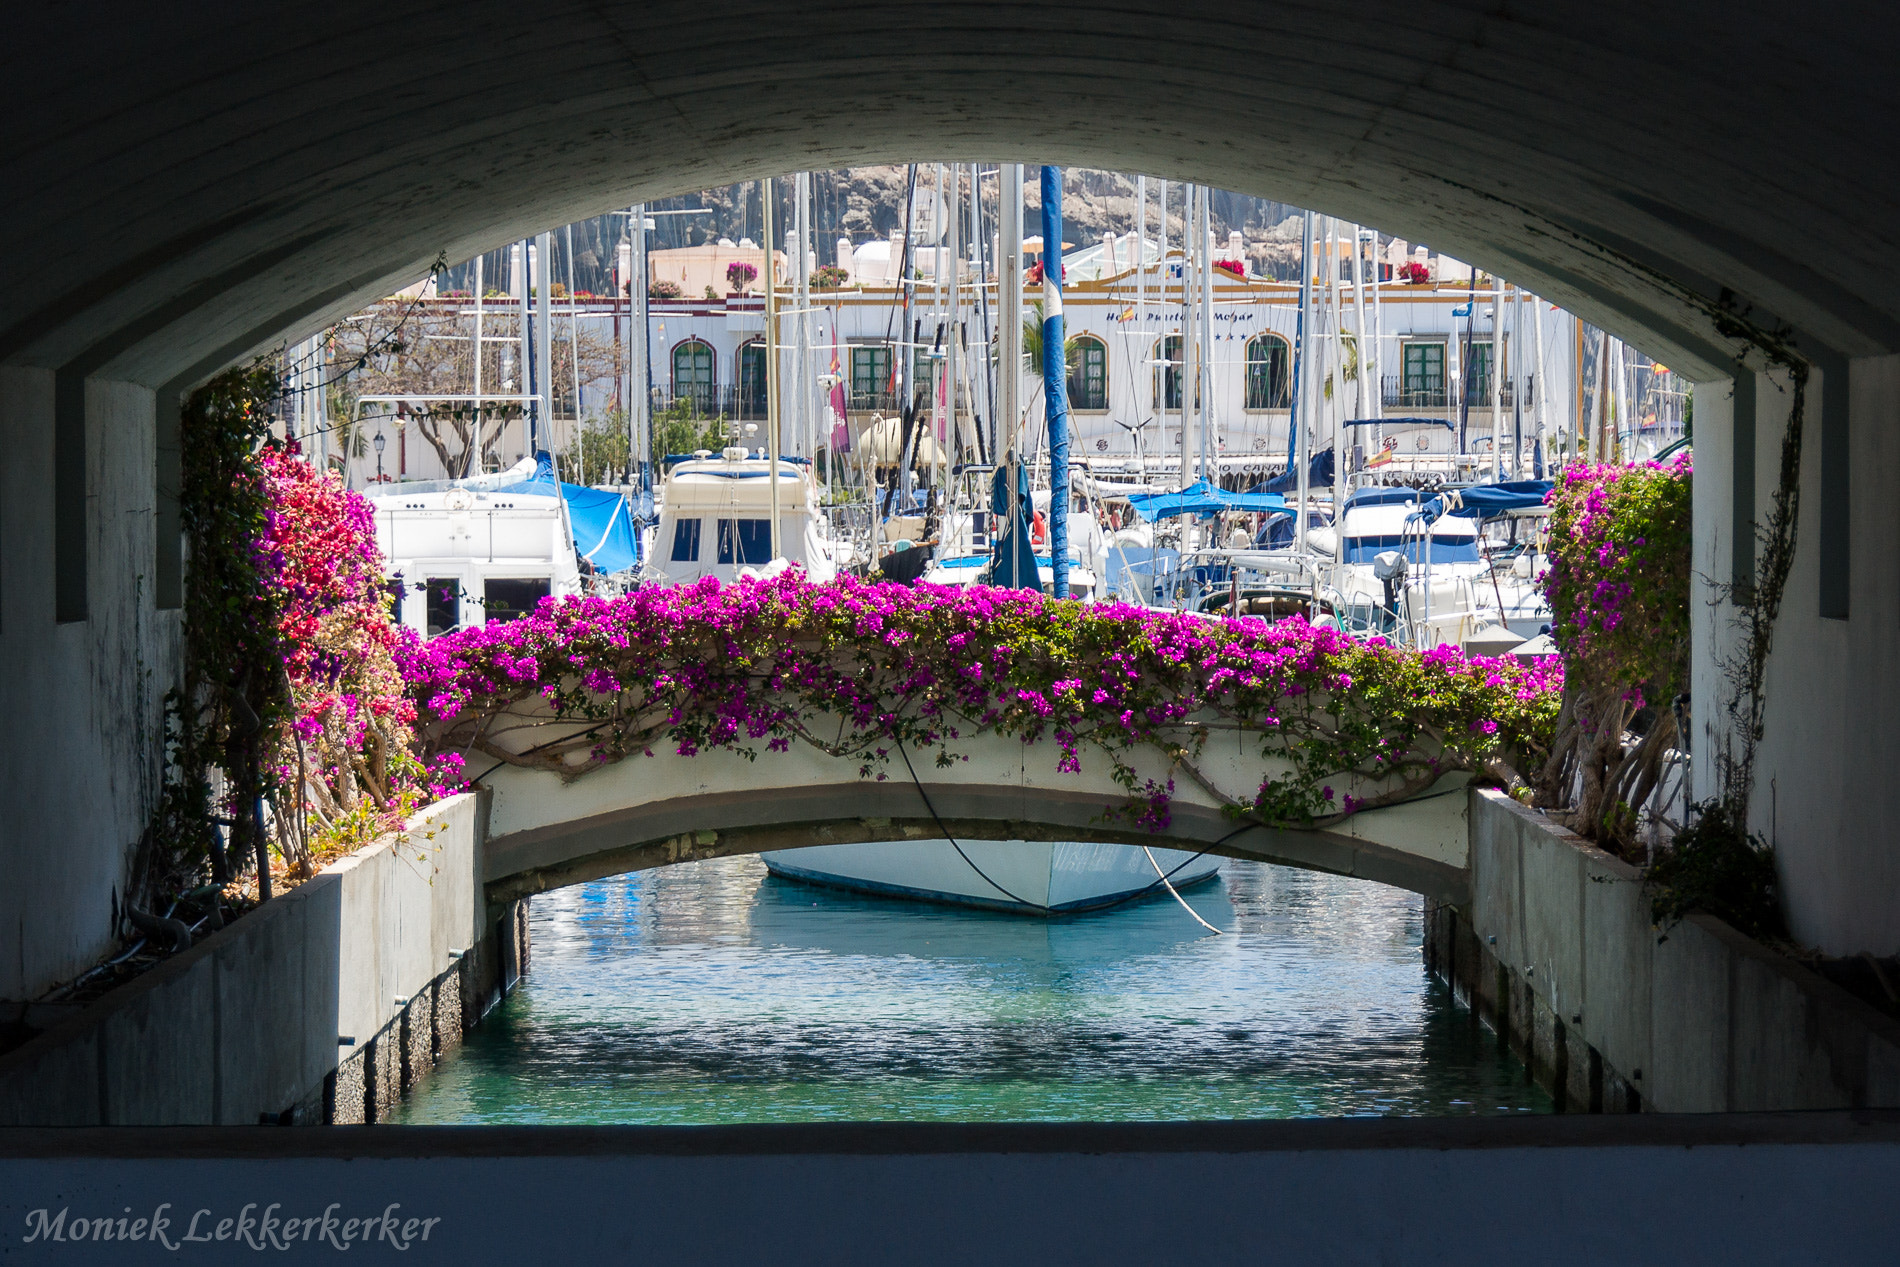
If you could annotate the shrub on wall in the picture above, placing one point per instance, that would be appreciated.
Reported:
(1618, 586)
(345, 764)
(290, 694)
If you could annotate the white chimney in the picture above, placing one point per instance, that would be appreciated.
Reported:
(1108, 254)
(844, 253)
(1234, 249)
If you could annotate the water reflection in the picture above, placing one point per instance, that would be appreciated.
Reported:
(713, 992)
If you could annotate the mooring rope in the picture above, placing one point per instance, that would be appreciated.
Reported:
(1169, 885)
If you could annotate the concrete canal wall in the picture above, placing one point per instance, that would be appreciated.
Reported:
(1556, 950)
(323, 1005)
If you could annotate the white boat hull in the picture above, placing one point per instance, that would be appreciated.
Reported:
(1031, 877)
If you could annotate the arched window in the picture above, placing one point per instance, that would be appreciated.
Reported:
(1269, 372)
(693, 374)
(1088, 374)
(1168, 376)
(751, 376)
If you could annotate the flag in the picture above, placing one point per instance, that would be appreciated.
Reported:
(1380, 458)
(840, 429)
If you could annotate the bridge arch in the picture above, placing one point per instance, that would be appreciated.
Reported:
(544, 833)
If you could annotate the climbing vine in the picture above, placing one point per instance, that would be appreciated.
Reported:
(857, 669)
(233, 697)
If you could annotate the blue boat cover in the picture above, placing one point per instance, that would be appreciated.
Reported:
(1482, 501)
(1319, 474)
(1375, 496)
(1201, 498)
(1013, 558)
(603, 531)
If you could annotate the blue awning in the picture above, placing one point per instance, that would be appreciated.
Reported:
(603, 531)
(1201, 498)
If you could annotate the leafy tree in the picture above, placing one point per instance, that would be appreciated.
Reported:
(681, 428)
(599, 451)
(398, 348)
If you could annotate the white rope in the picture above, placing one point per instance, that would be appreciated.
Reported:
(1176, 896)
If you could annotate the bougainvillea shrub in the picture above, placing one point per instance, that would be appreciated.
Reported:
(1618, 582)
(756, 664)
(349, 749)
(1618, 585)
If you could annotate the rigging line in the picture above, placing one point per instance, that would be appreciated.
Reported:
(1176, 895)
(941, 826)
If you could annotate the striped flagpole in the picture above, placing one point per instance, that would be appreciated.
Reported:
(1055, 378)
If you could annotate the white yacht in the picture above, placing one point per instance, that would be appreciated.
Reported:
(715, 519)
(1025, 877)
(465, 552)
(1431, 583)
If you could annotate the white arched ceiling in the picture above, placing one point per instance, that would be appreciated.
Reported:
(186, 184)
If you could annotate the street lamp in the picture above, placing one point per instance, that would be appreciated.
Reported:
(379, 442)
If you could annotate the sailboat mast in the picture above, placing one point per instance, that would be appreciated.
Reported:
(802, 382)
(1363, 395)
(767, 196)
(1210, 450)
(1336, 353)
(1517, 384)
(539, 274)
(1539, 385)
(953, 251)
(1185, 367)
(1303, 381)
(1010, 335)
(472, 462)
(639, 364)
(1378, 339)
(1497, 379)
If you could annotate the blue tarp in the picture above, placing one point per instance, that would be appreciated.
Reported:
(1319, 475)
(1201, 498)
(1482, 501)
(603, 531)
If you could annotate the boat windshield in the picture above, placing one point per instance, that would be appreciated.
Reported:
(1445, 548)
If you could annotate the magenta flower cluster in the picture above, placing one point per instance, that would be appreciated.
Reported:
(759, 663)
(1618, 580)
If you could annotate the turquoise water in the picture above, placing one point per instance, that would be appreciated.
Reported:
(714, 993)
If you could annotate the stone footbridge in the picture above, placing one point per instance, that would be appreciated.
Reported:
(544, 832)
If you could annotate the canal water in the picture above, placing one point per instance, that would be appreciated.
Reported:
(713, 992)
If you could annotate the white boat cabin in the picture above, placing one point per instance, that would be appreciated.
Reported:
(715, 519)
(463, 554)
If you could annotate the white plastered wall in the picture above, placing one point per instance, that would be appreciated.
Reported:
(82, 700)
(1827, 788)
